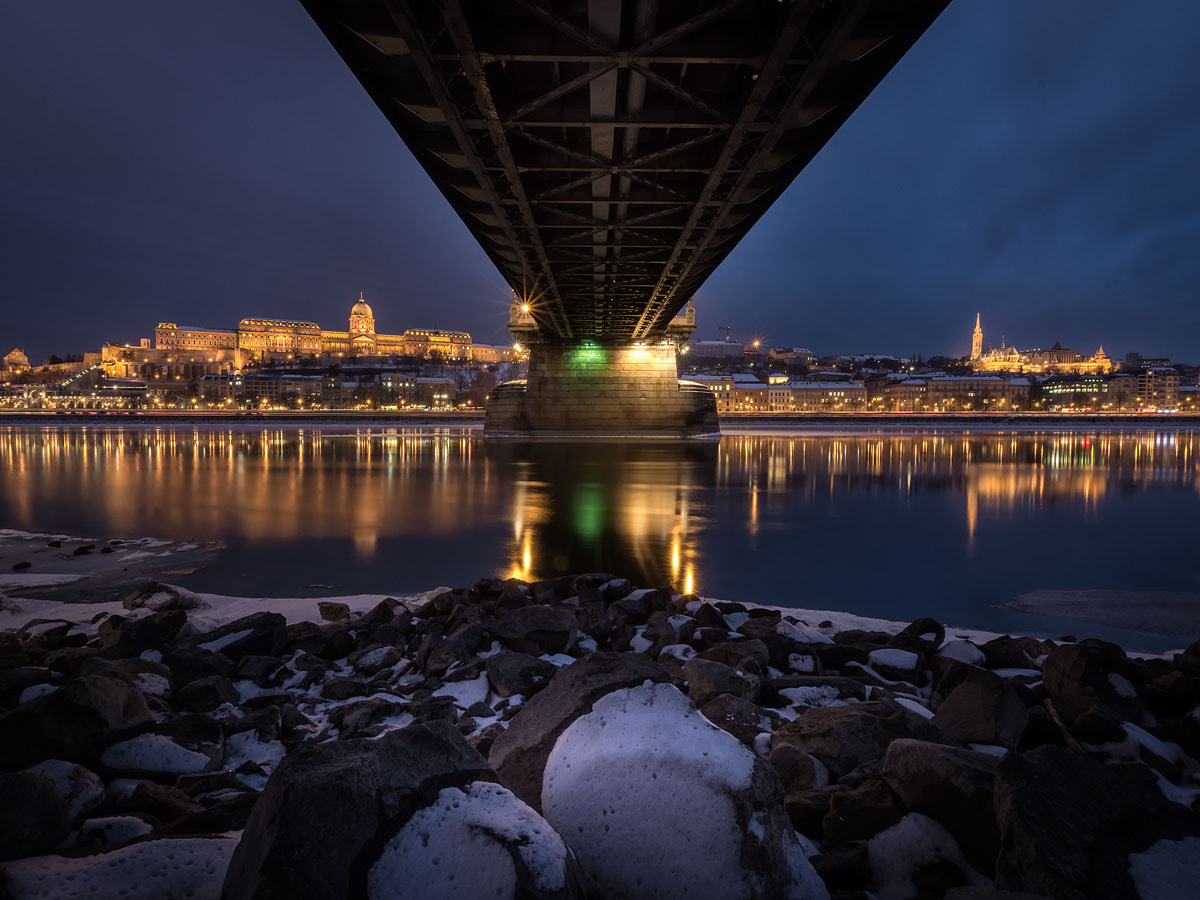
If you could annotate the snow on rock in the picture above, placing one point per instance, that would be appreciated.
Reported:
(913, 706)
(963, 651)
(80, 788)
(112, 831)
(465, 693)
(643, 787)
(804, 634)
(218, 644)
(154, 753)
(914, 842)
(1167, 870)
(36, 690)
(464, 845)
(164, 869)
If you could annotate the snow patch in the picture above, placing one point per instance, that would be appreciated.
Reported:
(893, 658)
(463, 846)
(912, 843)
(34, 691)
(153, 753)
(164, 869)
(1167, 870)
(219, 644)
(1121, 685)
(963, 651)
(913, 706)
(465, 693)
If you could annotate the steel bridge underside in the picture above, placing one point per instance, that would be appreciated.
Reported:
(609, 154)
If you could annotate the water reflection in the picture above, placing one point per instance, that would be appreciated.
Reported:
(627, 508)
(410, 508)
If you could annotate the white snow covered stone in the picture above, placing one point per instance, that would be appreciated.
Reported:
(470, 843)
(154, 754)
(80, 788)
(657, 802)
(164, 869)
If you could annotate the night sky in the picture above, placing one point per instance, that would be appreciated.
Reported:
(1033, 161)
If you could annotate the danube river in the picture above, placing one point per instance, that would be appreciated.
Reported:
(1086, 533)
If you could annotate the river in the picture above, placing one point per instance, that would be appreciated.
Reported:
(1087, 533)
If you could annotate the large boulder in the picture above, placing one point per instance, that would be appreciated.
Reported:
(1070, 828)
(844, 737)
(951, 786)
(164, 869)
(537, 629)
(33, 817)
(258, 634)
(1094, 673)
(519, 755)
(80, 788)
(983, 709)
(657, 802)
(80, 718)
(707, 679)
(414, 813)
(518, 673)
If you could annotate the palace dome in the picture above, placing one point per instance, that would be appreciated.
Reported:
(361, 308)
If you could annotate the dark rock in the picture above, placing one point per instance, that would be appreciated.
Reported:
(374, 660)
(974, 893)
(79, 718)
(159, 597)
(1068, 825)
(258, 634)
(1079, 676)
(121, 637)
(518, 673)
(983, 709)
(833, 686)
(807, 809)
(845, 867)
(1006, 653)
(1097, 726)
(519, 755)
(860, 813)
(951, 786)
(189, 663)
(537, 629)
(741, 718)
(160, 801)
(459, 646)
(740, 654)
(230, 814)
(14, 681)
(206, 694)
(264, 671)
(332, 611)
(707, 679)
(33, 817)
(922, 637)
(12, 652)
(198, 733)
(343, 689)
(328, 811)
(798, 772)
(842, 737)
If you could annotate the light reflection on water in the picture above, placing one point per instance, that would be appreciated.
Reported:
(896, 525)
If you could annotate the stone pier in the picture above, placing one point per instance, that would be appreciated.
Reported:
(590, 389)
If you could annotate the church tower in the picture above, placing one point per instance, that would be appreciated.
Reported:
(977, 340)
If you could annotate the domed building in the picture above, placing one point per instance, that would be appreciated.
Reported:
(275, 339)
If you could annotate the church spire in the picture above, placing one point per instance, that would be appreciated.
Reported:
(977, 339)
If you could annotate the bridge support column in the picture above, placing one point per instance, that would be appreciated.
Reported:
(602, 390)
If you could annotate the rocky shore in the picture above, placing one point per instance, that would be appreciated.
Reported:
(582, 738)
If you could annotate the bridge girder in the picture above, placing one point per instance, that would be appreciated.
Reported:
(609, 154)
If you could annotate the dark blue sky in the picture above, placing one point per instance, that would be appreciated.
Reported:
(1033, 160)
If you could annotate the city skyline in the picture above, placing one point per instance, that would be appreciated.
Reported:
(1037, 183)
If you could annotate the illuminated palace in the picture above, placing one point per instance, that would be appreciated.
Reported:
(1056, 359)
(269, 338)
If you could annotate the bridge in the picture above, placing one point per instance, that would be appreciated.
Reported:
(608, 155)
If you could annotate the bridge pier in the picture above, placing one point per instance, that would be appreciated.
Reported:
(590, 389)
